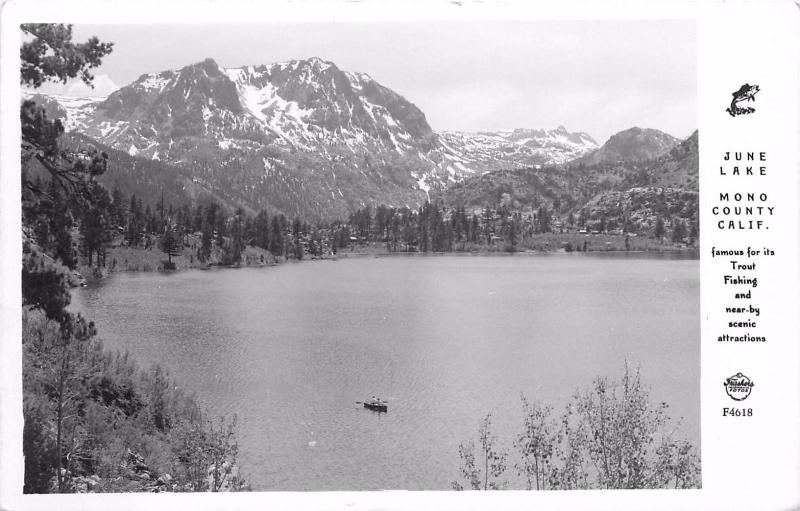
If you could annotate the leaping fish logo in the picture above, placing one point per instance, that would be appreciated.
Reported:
(747, 93)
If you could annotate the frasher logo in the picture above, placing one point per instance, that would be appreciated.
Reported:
(738, 387)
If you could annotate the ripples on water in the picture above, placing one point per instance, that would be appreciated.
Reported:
(290, 349)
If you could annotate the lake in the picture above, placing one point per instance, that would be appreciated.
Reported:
(445, 339)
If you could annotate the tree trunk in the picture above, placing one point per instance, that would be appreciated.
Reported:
(486, 470)
(62, 376)
(58, 440)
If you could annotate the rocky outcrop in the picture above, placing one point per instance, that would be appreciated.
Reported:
(634, 144)
(136, 476)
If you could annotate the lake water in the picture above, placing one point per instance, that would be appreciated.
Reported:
(445, 339)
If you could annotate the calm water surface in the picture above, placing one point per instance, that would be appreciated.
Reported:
(445, 339)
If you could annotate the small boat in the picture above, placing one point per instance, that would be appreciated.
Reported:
(378, 406)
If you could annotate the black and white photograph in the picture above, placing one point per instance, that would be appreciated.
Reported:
(447, 255)
(416, 276)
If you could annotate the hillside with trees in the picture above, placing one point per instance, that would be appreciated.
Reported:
(94, 420)
(631, 196)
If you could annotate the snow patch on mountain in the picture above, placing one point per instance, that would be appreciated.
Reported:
(486, 151)
(156, 82)
(306, 126)
(73, 112)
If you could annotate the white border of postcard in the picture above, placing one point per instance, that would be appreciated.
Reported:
(746, 464)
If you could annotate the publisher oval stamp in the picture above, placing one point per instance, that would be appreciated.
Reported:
(738, 387)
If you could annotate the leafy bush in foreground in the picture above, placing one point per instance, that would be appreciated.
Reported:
(609, 436)
(94, 421)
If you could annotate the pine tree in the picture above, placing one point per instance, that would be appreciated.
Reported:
(171, 245)
(276, 237)
(135, 221)
(49, 54)
(512, 235)
(544, 219)
(659, 230)
(204, 252)
(117, 207)
(261, 228)
(298, 249)
(476, 228)
(96, 222)
(679, 231)
(60, 221)
(236, 246)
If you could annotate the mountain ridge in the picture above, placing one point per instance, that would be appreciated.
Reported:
(625, 193)
(632, 144)
(338, 140)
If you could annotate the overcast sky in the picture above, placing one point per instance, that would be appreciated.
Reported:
(600, 77)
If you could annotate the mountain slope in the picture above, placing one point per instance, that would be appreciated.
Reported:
(301, 104)
(487, 151)
(302, 137)
(634, 144)
(634, 191)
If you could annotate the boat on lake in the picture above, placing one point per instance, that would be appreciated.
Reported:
(376, 405)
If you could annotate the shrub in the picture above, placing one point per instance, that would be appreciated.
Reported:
(609, 436)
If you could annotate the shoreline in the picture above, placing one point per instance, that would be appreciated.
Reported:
(85, 274)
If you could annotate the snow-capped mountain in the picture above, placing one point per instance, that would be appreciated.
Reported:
(339, 139)
(515, 148)
(300, 104)
(72, 111)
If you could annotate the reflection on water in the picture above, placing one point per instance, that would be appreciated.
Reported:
(444, 339)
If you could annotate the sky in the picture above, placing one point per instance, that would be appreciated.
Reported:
(600, 77)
